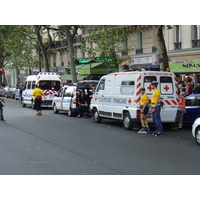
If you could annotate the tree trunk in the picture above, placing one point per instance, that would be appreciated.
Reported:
(43, 49)
(160, 43)
(71, 53)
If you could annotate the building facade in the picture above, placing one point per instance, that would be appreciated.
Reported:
(182, 43)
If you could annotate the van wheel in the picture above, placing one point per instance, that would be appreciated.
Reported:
(55, 110)
(96, 117)
(23, 104)
(127, 121)
(32, 104)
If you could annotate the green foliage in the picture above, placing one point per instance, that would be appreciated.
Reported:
(108, 43)
(17, 44)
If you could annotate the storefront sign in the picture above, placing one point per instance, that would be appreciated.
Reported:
(185, 67)
(142, 60)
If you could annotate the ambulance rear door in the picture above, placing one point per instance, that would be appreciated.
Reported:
(67, 97)
(169, 98)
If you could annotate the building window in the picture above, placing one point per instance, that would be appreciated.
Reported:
(124, 47)
(177, 43)
(139, 49)
(196, 41)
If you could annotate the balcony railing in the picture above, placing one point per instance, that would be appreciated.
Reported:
(78, 39)
(195, 43)
(139, 51)
(177, 45)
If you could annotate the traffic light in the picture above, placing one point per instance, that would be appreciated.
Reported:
(1, 71)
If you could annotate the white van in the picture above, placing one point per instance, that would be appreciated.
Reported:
(66, 99)
(117, 96)
(49, 82)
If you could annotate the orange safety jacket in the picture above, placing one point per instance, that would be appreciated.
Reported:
(181, 101)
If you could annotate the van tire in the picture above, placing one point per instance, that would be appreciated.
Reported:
(23, 104)
(32, 105)
(55, 110)
(127, 124)
(96, 117)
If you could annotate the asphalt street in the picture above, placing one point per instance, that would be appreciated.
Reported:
(55, 144)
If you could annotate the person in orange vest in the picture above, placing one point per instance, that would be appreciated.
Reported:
(182, 109)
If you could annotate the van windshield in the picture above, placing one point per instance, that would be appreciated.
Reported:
(50, 85)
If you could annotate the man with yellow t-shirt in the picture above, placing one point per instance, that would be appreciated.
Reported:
(37, 93)
(144, 110)
(155, 108)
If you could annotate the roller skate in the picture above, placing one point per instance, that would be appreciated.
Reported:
(143, 130)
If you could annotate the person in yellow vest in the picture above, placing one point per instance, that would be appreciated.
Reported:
(156, 108)
(182, 109)
(144, 110)
(38, 93)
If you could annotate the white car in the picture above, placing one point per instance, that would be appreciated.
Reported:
(196, 130)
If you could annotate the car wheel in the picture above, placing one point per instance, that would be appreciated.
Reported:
(197, 135)
(127, 121)
(32, 105)
(23, 104)
(55, 110)
(96, 117)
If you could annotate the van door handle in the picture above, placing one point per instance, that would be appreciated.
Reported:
(102, 95)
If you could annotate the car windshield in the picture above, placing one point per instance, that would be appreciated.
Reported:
(86, 85)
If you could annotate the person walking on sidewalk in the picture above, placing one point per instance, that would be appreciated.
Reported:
(155, 108)
(144, 110)
(37, 93)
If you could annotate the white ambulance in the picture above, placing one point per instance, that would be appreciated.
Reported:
(117, 96)
(49, 82)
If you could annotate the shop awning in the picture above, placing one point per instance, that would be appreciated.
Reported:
(68, 77)
(96, 68)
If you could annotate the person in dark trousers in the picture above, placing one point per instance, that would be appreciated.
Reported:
(82, 105)
(1, 108)
(155, 108)
(37, 93)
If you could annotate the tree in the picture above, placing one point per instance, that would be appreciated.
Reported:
(44, 46)
(16, 47)
(160, 43)
(108, 41)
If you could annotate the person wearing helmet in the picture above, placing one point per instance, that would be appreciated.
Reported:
(144, 110)
(155, 108)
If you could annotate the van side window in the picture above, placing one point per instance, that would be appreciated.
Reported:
(33, 85)
(147, 83)
(60, 92)
(68, 92)
(101, 85)
(166, 85)
(127, 87)
(29, 85)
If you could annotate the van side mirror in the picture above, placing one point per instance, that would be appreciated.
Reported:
(55, 95)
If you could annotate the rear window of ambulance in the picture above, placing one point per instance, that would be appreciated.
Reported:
(166, 85)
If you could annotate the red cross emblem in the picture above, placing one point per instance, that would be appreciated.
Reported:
(166, 88)
(129, 101)
(95, 98)
(150, 88)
